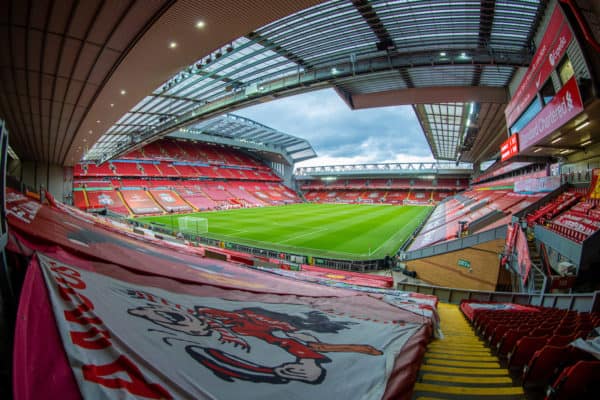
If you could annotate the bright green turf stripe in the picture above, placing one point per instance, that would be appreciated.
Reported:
(317, 229)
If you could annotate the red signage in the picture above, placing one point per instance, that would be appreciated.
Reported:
(551, 49)
(564, 106)
(510, 147)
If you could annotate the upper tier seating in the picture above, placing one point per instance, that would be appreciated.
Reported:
(105, 169)
(127, 169)
(562, 202)
(443, 223)
(578, 223)
(177, 158)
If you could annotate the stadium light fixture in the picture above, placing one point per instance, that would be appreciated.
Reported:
(537, 150)
(123, 92)
(443, 54)
(558, 139)
(580, 127)
(587, 142)
(564, 151)
(173, 45)
(112, 105)
(200, 24)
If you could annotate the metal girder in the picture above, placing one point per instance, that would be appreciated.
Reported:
(173, 97)
(365, 9)
(486, 21)
(268, 43)
(385, 39)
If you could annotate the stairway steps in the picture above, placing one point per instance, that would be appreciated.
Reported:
(461, 366)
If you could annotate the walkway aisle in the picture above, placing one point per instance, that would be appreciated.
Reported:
(461, 366)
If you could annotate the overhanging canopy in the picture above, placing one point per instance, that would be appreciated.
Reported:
(358, 47)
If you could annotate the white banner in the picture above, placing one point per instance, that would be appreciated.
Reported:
(130, 341)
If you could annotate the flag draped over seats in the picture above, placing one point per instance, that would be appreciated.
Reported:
(103, 315)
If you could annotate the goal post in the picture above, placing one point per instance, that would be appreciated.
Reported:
(192, 225)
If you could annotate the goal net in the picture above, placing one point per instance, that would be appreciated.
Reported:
(192, 225)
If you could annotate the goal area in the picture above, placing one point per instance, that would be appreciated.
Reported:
(192, 225)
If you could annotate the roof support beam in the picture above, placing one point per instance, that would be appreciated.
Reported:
(486, 21)
(268, 43)
(386, 42)
(172, 97)
(365, 9)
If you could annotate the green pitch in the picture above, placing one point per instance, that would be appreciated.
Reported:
(348, 231)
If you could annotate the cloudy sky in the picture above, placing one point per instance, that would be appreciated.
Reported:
(342, 136)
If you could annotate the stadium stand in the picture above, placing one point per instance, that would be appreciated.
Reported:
(231, 180)
(469, 206)
(387, 191)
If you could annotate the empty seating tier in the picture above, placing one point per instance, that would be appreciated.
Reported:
(178, 176)
(537, 346)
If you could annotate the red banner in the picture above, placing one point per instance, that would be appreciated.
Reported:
(595, 185)
(565, 105)
(510, 147)
(523, 259)
(538, 71)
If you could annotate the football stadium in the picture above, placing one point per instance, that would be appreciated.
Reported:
(354, 199)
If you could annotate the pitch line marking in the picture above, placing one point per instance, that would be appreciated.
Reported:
(303, 234)
(386, 242)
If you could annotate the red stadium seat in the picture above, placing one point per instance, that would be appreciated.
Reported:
(524, 350)
(580, 381)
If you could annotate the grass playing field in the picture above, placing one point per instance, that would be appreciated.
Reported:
(348, 231)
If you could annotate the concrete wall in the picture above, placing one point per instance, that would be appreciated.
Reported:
(56, 179)
(444, 269)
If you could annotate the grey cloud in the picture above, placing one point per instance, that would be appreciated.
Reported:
(335, 130)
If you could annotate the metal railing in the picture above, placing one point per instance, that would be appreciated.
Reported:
(582, 302)
(454, 245)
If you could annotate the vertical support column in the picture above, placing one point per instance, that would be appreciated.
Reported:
(54, 178)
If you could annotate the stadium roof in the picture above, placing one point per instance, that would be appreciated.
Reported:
(416, 168)
(374, 53)
(359, 47)
(247, 133)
